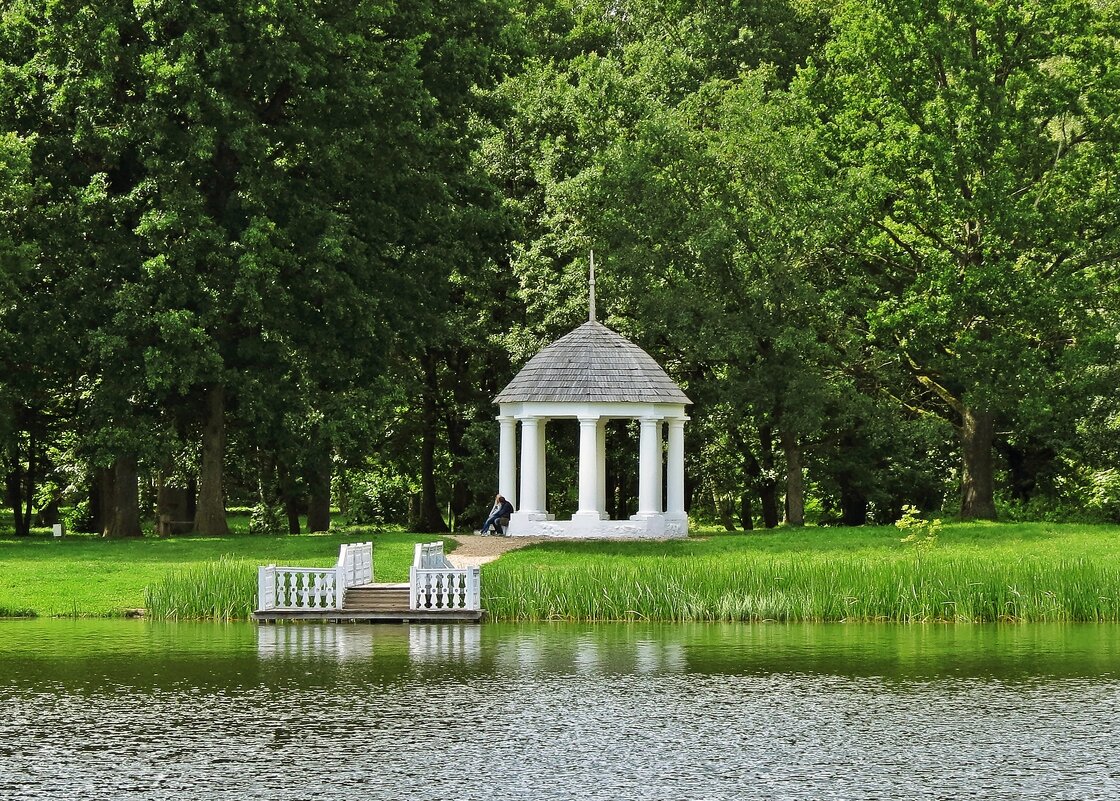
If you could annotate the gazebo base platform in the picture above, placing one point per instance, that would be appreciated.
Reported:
(639, 527)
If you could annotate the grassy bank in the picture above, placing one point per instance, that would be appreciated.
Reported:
(86, 576)
(972, 572)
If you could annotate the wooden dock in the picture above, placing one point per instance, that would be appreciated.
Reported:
(381, 603)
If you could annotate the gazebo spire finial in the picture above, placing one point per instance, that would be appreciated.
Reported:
(591, 291)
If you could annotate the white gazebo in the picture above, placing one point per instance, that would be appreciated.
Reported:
(594, 374)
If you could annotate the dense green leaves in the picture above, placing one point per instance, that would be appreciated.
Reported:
(245, 248)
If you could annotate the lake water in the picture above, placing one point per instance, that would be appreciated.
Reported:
(132, 709)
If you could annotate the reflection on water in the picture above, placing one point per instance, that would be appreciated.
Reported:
(125, 709)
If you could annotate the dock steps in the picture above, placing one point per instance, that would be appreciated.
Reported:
(376, 598)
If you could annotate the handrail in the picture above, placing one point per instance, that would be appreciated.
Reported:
(315, 588)
(435, 584)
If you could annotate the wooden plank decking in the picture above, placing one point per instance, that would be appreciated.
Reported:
(371, 602)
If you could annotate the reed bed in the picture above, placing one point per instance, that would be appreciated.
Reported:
(16, 611)
(224, 589)
(805, 587)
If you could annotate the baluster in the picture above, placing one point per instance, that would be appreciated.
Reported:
(304, 589)
(445, 583)
(331, 579)
(317, 594)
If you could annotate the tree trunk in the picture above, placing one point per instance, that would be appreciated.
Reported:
(746, 511)
(722, 509)
(108, 489)
(853, 506)
(17, 478)
(752, 474)
(795, 479)
(210, 512)
(319, 486)
(125, 518)
(430, 520)
(977, 470)
(96, 521)
(290, 496)
(192, 498)
(460, 491)
(767, 485)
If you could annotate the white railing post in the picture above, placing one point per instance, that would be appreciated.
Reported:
(266, 587)
(474, 587)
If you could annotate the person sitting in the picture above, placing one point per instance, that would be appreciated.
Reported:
(501, 511)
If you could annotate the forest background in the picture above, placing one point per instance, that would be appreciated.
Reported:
(282, 255)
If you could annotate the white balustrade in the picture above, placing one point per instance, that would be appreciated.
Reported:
(435, 584)
(311, 588)
(445, 589)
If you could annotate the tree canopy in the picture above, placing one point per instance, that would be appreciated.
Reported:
(282, 256)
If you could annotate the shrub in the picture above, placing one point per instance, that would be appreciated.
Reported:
(267, 519)
(378, 498)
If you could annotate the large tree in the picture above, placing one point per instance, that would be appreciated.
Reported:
(984, 139)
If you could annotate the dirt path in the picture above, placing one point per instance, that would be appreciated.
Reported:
(478, 550)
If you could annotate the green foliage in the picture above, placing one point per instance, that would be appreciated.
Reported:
(267, 519)
(922, 533)
(1104, 494)
(378, 498)
(870, 239)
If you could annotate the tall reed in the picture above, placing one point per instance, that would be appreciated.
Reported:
(224, 589)
(805, 587)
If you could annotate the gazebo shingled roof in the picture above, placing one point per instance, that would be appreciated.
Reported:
(592, 364)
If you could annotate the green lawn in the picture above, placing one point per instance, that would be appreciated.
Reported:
(975, 571)
(84, 575)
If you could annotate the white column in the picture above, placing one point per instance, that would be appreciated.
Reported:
(542, 472)
(601, 462)
(674, 490)
(659, 474)
(588, 468)
(507, 458)
(649, 467)
(532, 449)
